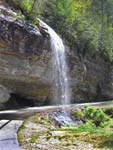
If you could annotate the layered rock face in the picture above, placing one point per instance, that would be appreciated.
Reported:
(91, 79)
(25, 59)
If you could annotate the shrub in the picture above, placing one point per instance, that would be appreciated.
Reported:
(97, 116)
(78, 114)
(93, 116)
(31, 9)
(108, 110)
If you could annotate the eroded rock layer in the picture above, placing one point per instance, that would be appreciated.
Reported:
(25, 59)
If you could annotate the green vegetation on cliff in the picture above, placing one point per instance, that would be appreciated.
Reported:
(86, 25)
(31, 9)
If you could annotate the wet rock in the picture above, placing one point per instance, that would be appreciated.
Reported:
(62, 118)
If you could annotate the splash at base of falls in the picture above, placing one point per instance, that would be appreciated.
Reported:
(63, 118)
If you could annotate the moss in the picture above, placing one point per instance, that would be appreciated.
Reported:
(33, 138)
(20, 133)
(35, 119)
(98, 140)
(42, 120)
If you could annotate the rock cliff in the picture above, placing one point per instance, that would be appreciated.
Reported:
(26, 70)
(91, 79)
(25, 59)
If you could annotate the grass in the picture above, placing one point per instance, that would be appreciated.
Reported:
(33, 138)
(38, 119)
(20, 133)
(99, 137)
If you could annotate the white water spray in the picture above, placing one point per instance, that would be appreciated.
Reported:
(61, 86)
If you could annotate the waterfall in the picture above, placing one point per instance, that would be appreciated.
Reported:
(61, 86)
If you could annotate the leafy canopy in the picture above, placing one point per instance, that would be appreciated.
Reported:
(86, 25)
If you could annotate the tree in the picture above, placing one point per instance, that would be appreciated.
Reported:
(87, 25)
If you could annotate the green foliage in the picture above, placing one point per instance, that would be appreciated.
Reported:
(87, 26)
(35, 119)
(64, 13)
(92, 116)
(96, 116)
(59, 13)
(78, 114)
(33, 138)
(99, 137)
(46, 119)
(108, 110)
(31, 9)
(26, 5)
(20, 131)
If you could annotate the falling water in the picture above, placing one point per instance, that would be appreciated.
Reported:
(61, 86)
